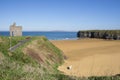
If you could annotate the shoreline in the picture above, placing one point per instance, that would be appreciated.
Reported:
(63, 39)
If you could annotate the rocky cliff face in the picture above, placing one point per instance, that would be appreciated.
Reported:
(100, 34)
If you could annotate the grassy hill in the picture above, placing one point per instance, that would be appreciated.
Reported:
(37, 59)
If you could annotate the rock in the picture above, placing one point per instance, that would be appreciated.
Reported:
(69, 67)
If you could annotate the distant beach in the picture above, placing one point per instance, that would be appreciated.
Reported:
(51, 35)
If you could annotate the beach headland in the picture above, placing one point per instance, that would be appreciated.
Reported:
(90, 57)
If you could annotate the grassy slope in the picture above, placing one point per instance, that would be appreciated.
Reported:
(37, 59)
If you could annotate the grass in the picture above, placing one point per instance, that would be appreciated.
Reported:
(18, 65)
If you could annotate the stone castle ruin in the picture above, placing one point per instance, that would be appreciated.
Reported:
(15, 30)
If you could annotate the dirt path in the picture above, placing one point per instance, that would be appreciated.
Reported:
(90, 57)
(18, 45)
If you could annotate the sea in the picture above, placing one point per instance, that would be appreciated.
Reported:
(51, 35)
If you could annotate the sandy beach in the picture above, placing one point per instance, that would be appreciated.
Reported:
(90, 57)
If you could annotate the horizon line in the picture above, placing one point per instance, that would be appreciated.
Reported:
(44, 31)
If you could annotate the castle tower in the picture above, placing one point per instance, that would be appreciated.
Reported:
(15, 30)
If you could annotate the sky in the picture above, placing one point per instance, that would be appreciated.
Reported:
(60, 15)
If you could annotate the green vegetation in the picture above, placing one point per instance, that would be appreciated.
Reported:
(18, 65)
(36, 59)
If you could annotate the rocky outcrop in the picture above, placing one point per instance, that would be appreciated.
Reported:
(101, 34)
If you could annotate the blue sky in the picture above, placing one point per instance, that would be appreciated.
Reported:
(67, 15)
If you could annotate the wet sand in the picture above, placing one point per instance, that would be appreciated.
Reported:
(90, 57)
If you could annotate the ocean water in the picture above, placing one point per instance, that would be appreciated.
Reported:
(50, 35)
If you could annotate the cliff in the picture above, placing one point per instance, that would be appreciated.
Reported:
(100, 34)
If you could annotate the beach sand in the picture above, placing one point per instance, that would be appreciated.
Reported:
(90, 57)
